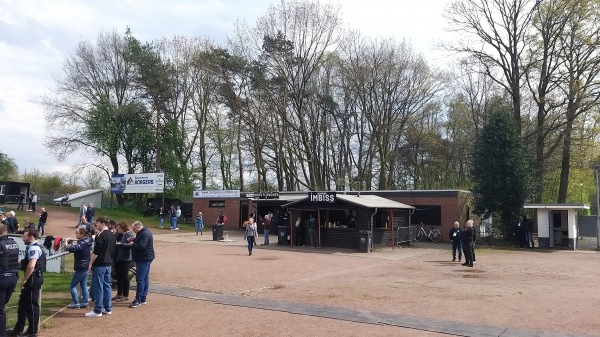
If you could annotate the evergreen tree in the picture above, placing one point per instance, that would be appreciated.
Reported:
(501, 170)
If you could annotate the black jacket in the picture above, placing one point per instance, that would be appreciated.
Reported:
(455, 234)
(468, 235)
(81, 250)
(104, 247)
(142, 248)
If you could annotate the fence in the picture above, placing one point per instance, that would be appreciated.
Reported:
(407, 234)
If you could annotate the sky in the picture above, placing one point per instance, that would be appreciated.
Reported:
(36, 37)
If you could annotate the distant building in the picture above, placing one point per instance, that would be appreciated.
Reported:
(10, 191)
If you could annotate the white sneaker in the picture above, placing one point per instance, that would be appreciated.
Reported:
(106, 312)
(92, 314)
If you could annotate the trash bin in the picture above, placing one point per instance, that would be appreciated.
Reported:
(364, 241)
(282, 234)
(217, 232)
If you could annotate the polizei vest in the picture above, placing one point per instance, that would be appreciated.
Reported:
(40, 264)
(9, 261)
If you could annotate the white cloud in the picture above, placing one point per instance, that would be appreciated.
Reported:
(37, 36)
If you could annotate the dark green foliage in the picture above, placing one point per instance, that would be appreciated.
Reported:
(8, 168)
(501, 170)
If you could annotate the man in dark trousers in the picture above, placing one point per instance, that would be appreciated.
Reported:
(9, 268)
(467, 239)
(34, 264)
(101, 266)
(21, 201)
(455, 237)
(312, 225)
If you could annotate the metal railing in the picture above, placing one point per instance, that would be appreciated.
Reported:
(407, 234)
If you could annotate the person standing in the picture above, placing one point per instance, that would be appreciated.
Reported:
(299, 232)
(173, 217)
(34, 199)
(467, 239)
(142, 252)
(178, 214)
(528, 229)
(29, 198)
(267, 228)
(90, 212)
(221, 218)
(520, 234)
(161, 218)
(455, 237)
(312, 230)
(9, 269)
(123, 261)
(250, 234)
(82, 210)
(34, 264)
(42, 221)
(81, 248)
(21, 201)
(199, 223)
(101, 267)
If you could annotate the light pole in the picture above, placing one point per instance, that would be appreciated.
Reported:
(581, 192)
(596, 168)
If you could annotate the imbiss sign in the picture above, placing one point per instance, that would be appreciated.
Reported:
(322, 197)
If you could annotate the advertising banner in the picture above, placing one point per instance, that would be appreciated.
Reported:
(217, 194)
(138, 183)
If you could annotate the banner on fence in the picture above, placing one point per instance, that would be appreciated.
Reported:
(138, 183)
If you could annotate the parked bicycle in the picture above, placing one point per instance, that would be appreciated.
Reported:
(434, 234)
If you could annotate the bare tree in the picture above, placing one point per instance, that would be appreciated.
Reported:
(494, 33)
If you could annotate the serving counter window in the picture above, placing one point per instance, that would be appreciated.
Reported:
(338, 218)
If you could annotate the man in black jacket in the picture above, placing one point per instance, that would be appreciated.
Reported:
(9, 268)
(467, 240)
(101, 266)
(455, 237)
(142, 252)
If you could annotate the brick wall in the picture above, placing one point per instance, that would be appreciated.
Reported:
(231, 211)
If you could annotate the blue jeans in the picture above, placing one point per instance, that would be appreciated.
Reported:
(79, 277)
(173, 222)
(142, 279)
(199, 227)
(456, 246)
(162, 222)
(266, 239)
(101, 289)
(41, 226)
(250, 243)
(528, 239)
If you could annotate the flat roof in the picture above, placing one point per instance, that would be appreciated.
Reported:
(366, 201)
(557, 206)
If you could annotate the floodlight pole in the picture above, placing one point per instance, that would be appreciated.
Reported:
(596, 168)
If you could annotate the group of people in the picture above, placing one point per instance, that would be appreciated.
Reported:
(173, 214)
(33, 264)
(9, 219)
(524, 232)
(112, 246)
(251, 232)
(31, 201)
(463, 242)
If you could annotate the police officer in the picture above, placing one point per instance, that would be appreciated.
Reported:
(9, 268)
(34, 264)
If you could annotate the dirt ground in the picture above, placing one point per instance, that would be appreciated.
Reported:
(542, 290)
